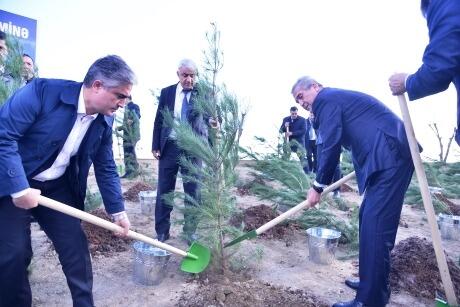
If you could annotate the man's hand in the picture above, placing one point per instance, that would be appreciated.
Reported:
(156, 154)
(397, 83)
(313, 197)
(288, 133)
(121, 219)
(27, 201)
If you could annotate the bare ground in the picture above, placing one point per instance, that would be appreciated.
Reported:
(283, 270)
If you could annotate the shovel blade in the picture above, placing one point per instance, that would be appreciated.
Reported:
(249, 235)
(197, 259)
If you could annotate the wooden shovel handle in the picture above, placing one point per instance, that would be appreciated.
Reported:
(58, 206)
(427, 203)
(302, 205)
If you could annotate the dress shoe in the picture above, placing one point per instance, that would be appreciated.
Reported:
(352, 283)
(353, 303)
(162, 237)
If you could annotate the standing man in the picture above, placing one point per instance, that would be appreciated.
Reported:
(441, 60)
(131, 135)
(28, 70)
(310, 143)
(383, 165)
(51, 131)
(178, 99)
(294, 127)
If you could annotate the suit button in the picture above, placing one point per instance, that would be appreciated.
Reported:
(11, 172)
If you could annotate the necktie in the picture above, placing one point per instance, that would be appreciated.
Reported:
(183, 113)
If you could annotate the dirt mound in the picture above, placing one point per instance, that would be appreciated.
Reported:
(254, 217)
(454, 208)
(102, 241)
(251, 293)
(415, 270)
(133, 192)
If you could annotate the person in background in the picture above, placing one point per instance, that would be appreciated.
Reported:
(383, 164)
(51, 132)
(441, 59)
(179, 99)
(131, 135)
(28, 72)
(310, 144)
(294, 128)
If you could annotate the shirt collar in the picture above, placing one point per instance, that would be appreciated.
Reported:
(81, 109)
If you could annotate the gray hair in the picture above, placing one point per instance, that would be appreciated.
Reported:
(305, 83)
(112, 71)
(187, 63)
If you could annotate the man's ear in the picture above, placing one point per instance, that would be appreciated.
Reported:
(97, 84)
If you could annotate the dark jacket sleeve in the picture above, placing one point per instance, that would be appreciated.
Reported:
(17, 115)
(158, 123)
(441, 59)
(329, 116)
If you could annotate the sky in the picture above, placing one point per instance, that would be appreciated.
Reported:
(267, 46)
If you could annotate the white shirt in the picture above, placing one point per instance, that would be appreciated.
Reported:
(179, 98)
(70, 148)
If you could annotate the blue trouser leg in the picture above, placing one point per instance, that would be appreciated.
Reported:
(68, 239)
(15, 255)
(379, 219)
(168, 167)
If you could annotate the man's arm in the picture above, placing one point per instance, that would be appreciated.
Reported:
(17, 115)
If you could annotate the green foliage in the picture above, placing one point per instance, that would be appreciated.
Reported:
(283, 182)
(444, 176)
(219, 155)
(10, 78)
(92, 200)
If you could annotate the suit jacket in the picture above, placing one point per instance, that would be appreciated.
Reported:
(297, 127)
(34, 125)
(362, 124)
(441, 59)
(161, 131)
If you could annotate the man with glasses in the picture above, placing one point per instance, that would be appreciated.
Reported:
(51, 131)
(383, 164)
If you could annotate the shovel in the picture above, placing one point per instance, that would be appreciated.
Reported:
(254, 233)
(196, 259)
(427, 203)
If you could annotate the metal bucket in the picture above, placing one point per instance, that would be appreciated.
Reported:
(449, 225)
(322, 244)
(150, 264)
(147, 200)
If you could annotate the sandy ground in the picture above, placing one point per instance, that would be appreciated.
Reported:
(287, 266)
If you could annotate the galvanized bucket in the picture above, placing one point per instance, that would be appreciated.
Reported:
(449, 226)
(322, 243)
(147, 200)
(150, 264)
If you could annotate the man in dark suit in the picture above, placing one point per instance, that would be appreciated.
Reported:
(179, 100)
(131, 135)
(383, 165)
(294, 127)
(441, 60)
(310, 143)
(51, 131)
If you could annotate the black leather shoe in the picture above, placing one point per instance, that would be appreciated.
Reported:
(352, 283)
(353, 303)
(162, 237)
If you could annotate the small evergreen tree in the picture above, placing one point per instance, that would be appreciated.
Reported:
(219, 154)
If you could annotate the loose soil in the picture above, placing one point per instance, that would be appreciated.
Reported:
(251, 293)
(101, 241)
(254, 217)
(414, 269)
(133, 192)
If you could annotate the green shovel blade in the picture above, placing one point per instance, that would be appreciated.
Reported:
(197, 259)
(249, 235)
